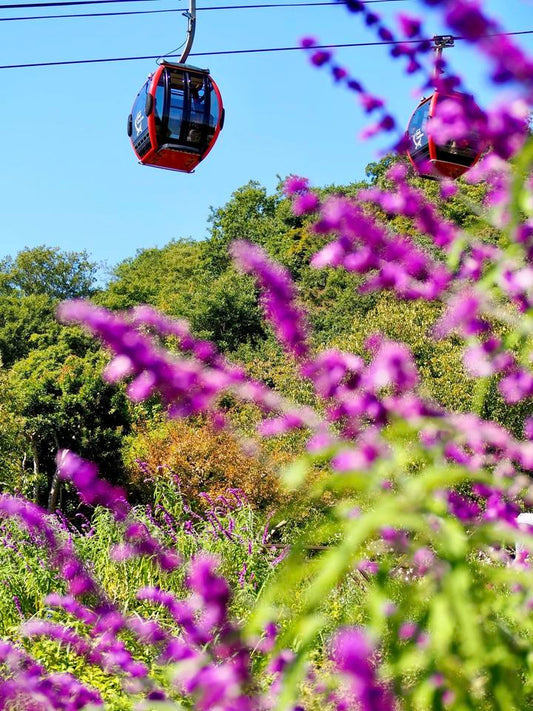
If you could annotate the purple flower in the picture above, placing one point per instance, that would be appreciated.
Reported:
(392, 366)
(423, 560)
(407, 631)
(462, 508)
(306, 203)
(93, 490)
(294, 184)
(463, 315)
(352, 653)
(409, 25)
(359, 458)
(516, 386)
(368, 566)
(279, 296)
(308, 42)
(467, 19)
(320, 58)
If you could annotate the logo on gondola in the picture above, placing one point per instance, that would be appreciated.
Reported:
(417, 137)
(139, 122)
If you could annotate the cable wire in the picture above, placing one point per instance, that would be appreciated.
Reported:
(230, 7)
(241, 51)
(19, 6)
(198, 9)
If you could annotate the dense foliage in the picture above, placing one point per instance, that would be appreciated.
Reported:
(334, 523)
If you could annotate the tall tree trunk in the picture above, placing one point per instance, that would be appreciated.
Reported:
(55, 487)
(36, 470)
(53, 496)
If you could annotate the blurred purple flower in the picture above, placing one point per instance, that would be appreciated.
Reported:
(278, 295)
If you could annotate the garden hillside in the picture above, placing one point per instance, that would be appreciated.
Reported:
(288, 466)
(52, 395)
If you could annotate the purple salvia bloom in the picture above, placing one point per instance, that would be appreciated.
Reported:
(331, 370)
(352, 653)
(397, 538)
(139, 541)
(284, 553)
(278, 296)
(295, 185)
(186, 386)
(36, 521)
(297, 419)
(146, 631)
(73, 607)
(242, 575)
(499, 509)
(368, 566)
(463, 315)
(407, 631)
(462, 508)
(361, 457)
(28, 685)
(423, 560)
(365, 247)
(516, 386)
(305, 204)
(62, 634)
(487, 358)
(518, 284)
(93, 490)
(409, 25)
(392, 366)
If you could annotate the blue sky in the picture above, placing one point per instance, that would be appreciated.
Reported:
(70, 178)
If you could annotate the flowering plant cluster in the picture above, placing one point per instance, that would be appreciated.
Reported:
(422, 538)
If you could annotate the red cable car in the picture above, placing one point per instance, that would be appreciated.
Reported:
(434, 159)
(176, 117)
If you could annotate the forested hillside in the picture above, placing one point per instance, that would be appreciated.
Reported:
(52, 395)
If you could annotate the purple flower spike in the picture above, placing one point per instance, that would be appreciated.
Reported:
(304, 204)
(462, 508)
(407, 631)
(308, 42)
(423, 560)
(392, 366)
(320, 58)
(294, 185)
(409, 25)
(93, 490)
(463, 315)
(352, 653)
(278, 295)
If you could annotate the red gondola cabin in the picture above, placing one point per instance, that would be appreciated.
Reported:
(176, 117)
(432, 159)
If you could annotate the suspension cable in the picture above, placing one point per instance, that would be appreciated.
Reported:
(267, 6)
(243, 51)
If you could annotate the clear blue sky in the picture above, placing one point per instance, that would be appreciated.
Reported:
(70, 178)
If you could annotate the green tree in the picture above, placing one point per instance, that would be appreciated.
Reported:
(174, 279)
(165, 277)
(26, 322)
(61, 401)
(250, 214)
(49, 271)
(31, 284)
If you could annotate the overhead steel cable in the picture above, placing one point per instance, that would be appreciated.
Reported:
(198, 9)
(21, 6)
(243, 51)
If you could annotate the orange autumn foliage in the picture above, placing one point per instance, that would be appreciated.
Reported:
(199, 459)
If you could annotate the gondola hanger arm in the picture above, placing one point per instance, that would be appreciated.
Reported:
(439, 43)
(190, 14)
